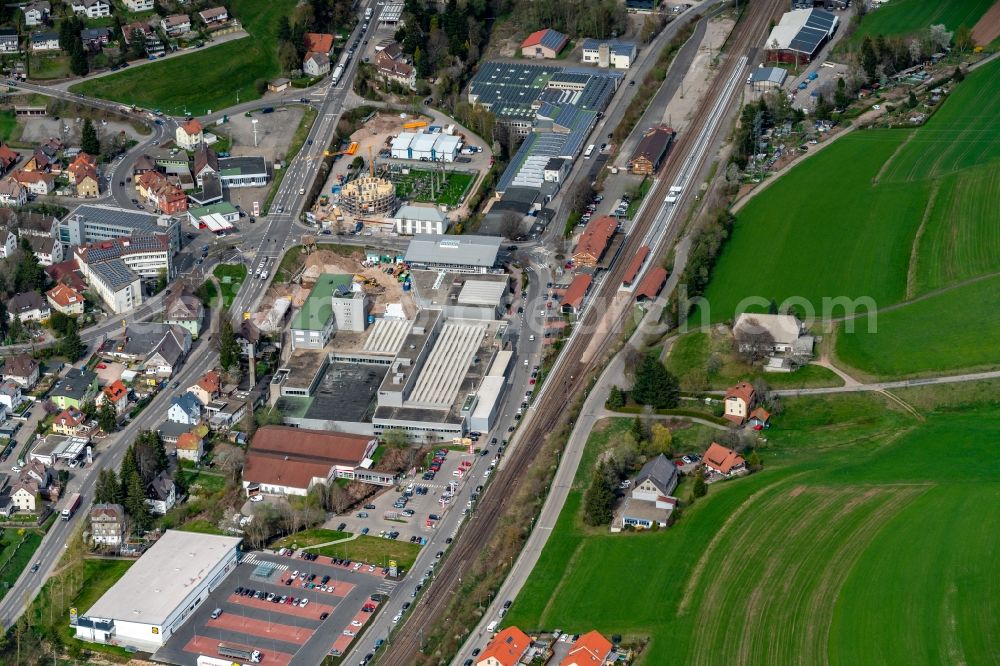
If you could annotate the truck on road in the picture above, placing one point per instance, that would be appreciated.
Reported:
(337, 73)
(72, 504)
(253, 656)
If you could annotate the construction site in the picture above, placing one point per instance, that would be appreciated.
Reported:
(381, 277)
(406, 159)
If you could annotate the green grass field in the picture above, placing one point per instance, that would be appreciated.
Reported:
(690, 356)
(10, 129)
(844, 222)
(16, 551)
(416, 186)
(906, 17)
(100, 576)
(866, 539)
(374, 550)
(208, 78)
(309, 537)
(926, 337)
(230, 276)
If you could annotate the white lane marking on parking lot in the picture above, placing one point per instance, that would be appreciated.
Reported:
(251, 558)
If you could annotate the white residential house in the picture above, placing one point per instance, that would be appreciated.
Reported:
(28, 306)
(189, 135)
(316, 64)
(45, 41)
(190, 447)
(37, 182)
(136, 6)
(776, 332)
(214, 15)
(12, 193)
(416, 219)
(176, 24)
(10, 395)
(161, 494)
(21, 369)
(91, 8)
(24, 496)
(8, 242)
(47, 250)
(185, 409)
(107, 524)
(9, 41)
(36, 13)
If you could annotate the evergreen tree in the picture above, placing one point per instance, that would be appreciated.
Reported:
(71, 346)
(135, 500)
(700, 487)
(636, 430)
(4, 324)
(753, 461)
(129, 465)
(654, 384)
(599, 499)
(29, 274)
(869, 60)
(78, 58)
(616, 399)
(16, 331)
(840, 98)
(108, 490)
(958, 75)
(284, 29)
(89, 143)
(229, 348)
(911, 101)
(107, 417)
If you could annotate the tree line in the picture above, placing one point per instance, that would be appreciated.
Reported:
(143, 461)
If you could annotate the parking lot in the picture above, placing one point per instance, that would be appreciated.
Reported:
(325, 606)
(413, 519)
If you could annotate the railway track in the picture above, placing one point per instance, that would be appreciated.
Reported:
(566, 378)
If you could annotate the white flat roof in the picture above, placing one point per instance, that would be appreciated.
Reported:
(402, 141)
(488, 393)
(163, 577)
(216, 222)
(446, 365)
(422, 143)
(447, 143)
(386, 336)
(482, 292)
(500, 363)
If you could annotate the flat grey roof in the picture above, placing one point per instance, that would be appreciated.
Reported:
(386, 336)
(160, 580)
(482, 292)
(121, 217)
(347, 392)
(446, 365)
(464, 250)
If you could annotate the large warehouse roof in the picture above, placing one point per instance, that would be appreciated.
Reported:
(161, 579)
(802, 30)
(386, 336)
(446, 365)
(468, 250)
(482, 292)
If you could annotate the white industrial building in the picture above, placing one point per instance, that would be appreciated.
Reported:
(415, 219)
(160, 591)
(613, 53)
(426, 147)
(489, 397)
(458, 254)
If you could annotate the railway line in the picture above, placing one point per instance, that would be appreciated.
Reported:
(653, 226)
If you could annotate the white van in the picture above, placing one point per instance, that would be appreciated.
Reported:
(492, 626)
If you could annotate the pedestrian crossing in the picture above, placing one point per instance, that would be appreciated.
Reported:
(252, 558)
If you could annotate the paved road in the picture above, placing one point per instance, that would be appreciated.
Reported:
(108, 454)
(452, 518)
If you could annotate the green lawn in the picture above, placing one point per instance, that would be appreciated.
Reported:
(201, 527)
(100, 576)
(906, 17)
(208, 78)
(374, 550)
(417, 186)
(923, 337)
(10, 129)
(868, 538)
(843, 223)
(689, 360)
(16, 551)
(209, 484)
(309, 538)
(50, 66)
(230, 276)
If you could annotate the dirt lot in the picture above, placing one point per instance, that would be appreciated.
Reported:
(38, 129)
(274, 132)
(988, 27)
(680, 109)
(386, 289)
